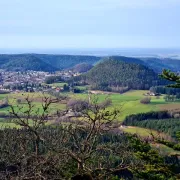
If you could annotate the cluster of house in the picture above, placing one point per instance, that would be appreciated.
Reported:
(57, 89)
(13, 78)
(65, 75)
(152, 94)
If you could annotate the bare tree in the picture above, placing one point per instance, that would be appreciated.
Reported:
(82, 145)
(32, 120)
(31, 117)
(86, 140)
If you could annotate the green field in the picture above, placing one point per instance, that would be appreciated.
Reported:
(5, 123)
(165, 149)
(129, 103)
(83, 88)
(2, 96)
(57, 84)
(35, 97)
(139, 131)
(143, 132)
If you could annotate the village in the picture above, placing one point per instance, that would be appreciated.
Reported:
(36, 81)
(30, 81)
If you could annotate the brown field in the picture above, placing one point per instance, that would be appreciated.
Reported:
(169, 106)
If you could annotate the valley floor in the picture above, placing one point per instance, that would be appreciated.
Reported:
(128, 103)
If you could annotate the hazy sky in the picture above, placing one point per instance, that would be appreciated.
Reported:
(89, 23)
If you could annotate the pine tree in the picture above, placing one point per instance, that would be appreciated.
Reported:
(171, 76)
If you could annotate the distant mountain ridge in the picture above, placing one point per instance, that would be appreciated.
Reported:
(55, 62)
(47, 62)
(23, 63)
(164, 63)
(157, 64)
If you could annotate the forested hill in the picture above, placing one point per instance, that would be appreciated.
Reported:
(159, 64)
(24, 63)
(113, 74)
(55, 62)
(48, 62)
(67, 61)
(126, 59)
(82, 67)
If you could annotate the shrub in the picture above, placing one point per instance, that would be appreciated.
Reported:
(18, 101)
(145, 100)
(77, 105)
(158, 97)
(176, 147)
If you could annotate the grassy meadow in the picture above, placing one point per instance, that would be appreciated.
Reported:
(128, 103)
(37, 102)
(57, 84)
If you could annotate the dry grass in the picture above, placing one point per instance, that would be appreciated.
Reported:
(172, 106)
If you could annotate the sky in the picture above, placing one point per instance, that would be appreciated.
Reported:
(89, 24)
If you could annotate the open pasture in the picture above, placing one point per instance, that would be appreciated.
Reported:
(129, 102)
(36, 98)
(57, 84)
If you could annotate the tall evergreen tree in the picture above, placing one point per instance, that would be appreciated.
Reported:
(171, 76)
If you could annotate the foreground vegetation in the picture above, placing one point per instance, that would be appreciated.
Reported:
(93, 148)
